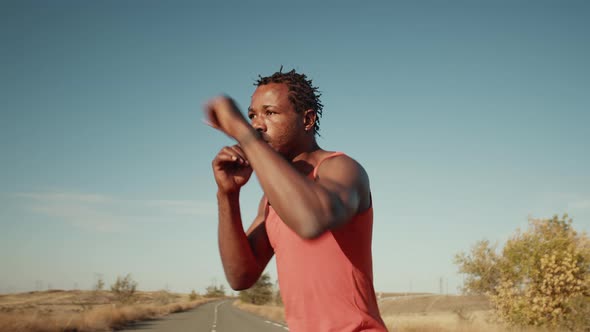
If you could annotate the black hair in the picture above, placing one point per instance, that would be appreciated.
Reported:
(302, 94)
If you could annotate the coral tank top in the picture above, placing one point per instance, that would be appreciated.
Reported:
(327, 283)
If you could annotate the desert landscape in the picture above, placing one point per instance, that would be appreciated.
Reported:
(82, 311)
(143, 142)
(79, 310)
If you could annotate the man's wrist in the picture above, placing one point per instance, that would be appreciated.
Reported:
(228, 194)
(247, 136)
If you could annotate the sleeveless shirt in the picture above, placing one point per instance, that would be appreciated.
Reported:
(326, 283)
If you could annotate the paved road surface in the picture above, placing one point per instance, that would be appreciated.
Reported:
(219, 316)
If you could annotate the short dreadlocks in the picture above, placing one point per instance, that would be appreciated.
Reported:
(302, 94)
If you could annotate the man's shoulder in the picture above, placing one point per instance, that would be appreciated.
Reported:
(336, 160)
(342, 168)
(349, 175)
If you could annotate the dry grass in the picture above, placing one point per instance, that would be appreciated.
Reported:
(420, 313)
(433, 322)
(398, 294)
(82, 311)
(272, 312)
(440, 313)
(448, 322)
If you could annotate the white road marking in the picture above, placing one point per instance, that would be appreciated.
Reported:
(277, 324)
(215, 316)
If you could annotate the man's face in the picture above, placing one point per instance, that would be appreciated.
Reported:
(274, 116)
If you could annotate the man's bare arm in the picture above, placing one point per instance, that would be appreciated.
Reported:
(308, 207)
(244, 255)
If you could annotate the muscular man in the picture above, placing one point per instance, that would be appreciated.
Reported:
(316, 213)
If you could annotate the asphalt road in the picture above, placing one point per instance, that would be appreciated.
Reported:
(219, 316)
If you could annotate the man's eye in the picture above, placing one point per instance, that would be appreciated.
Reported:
(269, 112)
(250, 116)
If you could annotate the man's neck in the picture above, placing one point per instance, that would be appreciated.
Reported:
(306, 157)
(304, 151)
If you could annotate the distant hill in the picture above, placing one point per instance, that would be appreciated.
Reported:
(427, 303)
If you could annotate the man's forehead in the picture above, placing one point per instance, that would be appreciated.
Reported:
(270, 93)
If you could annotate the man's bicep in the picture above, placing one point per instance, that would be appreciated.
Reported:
(258, 238)
(260, 215)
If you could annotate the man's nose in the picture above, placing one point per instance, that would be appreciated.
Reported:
(259, 125)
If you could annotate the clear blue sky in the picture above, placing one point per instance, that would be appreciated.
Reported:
(469, 116)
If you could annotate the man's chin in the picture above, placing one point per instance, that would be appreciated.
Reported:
(275, 148)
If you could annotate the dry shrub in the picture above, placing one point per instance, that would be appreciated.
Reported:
(124, 288)
(193, 295)
(99, 284)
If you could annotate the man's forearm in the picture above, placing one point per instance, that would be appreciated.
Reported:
(237, 257)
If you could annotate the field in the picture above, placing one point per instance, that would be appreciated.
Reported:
(57, 310)
(430, 313)
(82, 311)
(420, 313)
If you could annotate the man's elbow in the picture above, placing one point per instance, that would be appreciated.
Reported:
(239, 286)
(312, 231)
(319, 225)
(309, 234)
(241, 282)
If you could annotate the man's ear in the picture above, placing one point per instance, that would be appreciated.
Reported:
(309, 119)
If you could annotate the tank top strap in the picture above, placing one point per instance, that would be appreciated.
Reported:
(335, 154)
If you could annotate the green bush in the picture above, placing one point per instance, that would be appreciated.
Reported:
(215, 291)
(278, 298)
(99, 285)
(260, 293)
(541, 277)
(124, 288)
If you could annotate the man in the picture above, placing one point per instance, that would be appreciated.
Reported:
(316, 212)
